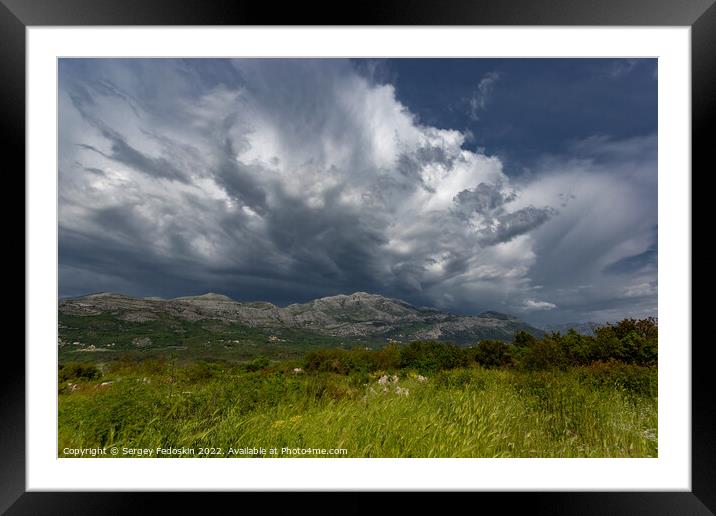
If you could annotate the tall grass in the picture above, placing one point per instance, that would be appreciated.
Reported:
(468, 412)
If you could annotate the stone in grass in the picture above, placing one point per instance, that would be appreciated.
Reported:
(142, 342)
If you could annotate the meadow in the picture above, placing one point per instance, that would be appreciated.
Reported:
(557, 397)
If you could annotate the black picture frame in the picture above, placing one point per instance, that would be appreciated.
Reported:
(17, 15)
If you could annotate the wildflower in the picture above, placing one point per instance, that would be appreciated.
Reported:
(394, 379)
(297, 370)
(421, 378)
(400, 391)
(383, 379)
(295, 419)
(278, 423)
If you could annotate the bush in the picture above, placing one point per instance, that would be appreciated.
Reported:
(493, 353)
(385, 359)
(338, 361)
(136, 364)
(256, 364)
(631, 341)
(343, 361)
(636, 379)
(545, 354)
(76, 371)
(523, 339)
(199, 371)
(431, 356)
(639, 349)
(329, 386)
(577, 349)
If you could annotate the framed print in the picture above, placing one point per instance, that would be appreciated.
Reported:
(416, 253)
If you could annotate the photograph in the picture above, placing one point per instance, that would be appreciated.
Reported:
(357, 257)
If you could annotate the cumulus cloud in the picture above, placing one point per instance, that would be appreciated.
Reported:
(485, 209)
(641, 290)
(531, 304)
(291, 179)
(484, 199)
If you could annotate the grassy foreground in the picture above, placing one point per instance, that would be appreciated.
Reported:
(200, 410)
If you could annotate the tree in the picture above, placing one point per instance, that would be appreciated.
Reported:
(523, 339)
(493, 353)
(578, 349)
(545, 354)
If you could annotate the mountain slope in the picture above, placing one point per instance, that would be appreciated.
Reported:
(361, 316)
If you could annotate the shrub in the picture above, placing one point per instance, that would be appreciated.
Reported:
(639, 349)
(385, 359)
(328, 386)
(260, 362)
(343, 361)
(338, 361)
(493, 353)
(577, 349)
(524, 339)
(76, 371)
(631, 341)
(545, 354)
(636, 379)
(431, 356)
(199, 371)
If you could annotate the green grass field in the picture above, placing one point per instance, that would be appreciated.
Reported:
(602, 410)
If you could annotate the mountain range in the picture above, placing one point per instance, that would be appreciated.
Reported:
(360, 316)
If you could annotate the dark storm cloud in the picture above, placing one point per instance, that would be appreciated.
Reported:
(511, 225)
(105, 87)
(94, 170)
(239, 179)
(120, 150)
(128, 155)
(286, 180)
(327, 245)
(114, 261)
(634, 263)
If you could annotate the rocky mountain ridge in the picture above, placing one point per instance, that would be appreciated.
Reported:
(357, 315)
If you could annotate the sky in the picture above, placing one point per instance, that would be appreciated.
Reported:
(524, 186)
